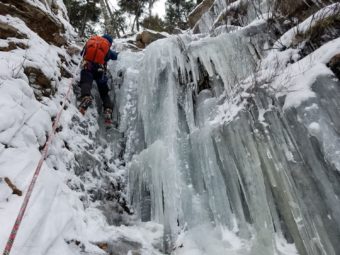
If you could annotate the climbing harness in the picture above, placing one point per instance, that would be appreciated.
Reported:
(18, 220)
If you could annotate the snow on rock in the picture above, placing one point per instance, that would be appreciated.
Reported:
(219, 13)
(323, 14)
(146, 37)
(81, 184)
(198, 11)
(296, 80)
(56, 28)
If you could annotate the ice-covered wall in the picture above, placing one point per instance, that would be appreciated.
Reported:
(232, 155)
(226, 12)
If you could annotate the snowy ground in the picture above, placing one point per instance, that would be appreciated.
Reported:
(55, 215)
(61, 217)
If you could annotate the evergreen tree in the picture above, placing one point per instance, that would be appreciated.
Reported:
(114, 19)
(154, 23)
(177, 12)
(81, 12)
(119, 22)
(134, 7)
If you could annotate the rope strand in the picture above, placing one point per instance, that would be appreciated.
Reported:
(18, 220)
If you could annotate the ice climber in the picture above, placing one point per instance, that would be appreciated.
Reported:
(96, 53)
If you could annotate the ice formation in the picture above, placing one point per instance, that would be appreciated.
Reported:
(231, 158)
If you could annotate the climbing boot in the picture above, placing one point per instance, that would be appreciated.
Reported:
(108, 117)
(84, 104)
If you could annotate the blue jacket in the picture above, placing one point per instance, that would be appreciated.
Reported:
(111, 55)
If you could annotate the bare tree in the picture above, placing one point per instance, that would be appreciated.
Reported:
(151, 3)
(107, 17)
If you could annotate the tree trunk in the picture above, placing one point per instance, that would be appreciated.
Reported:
(107, 18)
(122, 29)
(133, 24)
(83, 26)
(114, 21)
(150, 7)
(137, 23)
(138, 13)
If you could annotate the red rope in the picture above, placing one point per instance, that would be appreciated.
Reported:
(35, 176)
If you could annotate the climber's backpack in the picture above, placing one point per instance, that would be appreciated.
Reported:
(96, 49)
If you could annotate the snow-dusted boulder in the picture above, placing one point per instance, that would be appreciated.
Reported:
(146, 37)
(334, 65)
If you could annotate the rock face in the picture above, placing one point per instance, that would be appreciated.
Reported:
(334, 65)
(44, 24)
(220, 13)
(212, 15)
(13, 46)
(38, 80)
(232, 15)
(299, 9)
(6, 30)
(197, 13)
(45, 20)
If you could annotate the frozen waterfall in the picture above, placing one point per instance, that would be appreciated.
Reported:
(218, 161)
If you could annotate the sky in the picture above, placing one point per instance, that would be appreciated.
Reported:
(159, 7)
